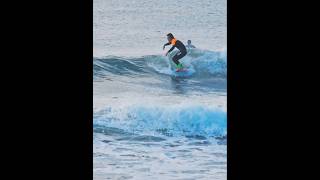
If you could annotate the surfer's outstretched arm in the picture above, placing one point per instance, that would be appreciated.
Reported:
(166, 44)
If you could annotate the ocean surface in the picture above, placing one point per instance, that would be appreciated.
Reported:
(149, 121)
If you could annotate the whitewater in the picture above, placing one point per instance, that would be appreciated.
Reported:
(149, 121)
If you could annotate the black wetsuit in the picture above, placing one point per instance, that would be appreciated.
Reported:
(179, 55)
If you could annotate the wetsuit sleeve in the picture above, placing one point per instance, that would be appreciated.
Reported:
(166, 44)
(171, 49)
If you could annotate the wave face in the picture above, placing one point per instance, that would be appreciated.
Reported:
(189, 121)
(200, 64)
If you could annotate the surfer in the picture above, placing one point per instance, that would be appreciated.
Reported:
(179, 45)
(189, 45)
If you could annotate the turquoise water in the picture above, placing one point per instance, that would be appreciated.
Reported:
(151, 122)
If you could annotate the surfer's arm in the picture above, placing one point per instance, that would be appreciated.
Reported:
(166, 44)
(171, 49)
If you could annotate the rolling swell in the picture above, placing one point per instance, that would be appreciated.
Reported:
(201, 63)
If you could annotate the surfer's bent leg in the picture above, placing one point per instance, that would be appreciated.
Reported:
(178, 56)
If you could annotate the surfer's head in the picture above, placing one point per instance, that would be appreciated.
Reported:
(170, 37)
(189, 42)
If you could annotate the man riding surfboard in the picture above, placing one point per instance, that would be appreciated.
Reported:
(179, 45)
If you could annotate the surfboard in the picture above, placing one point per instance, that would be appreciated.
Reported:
(182, 70)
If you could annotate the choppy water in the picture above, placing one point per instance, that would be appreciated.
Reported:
(139, 27)
(150, 121)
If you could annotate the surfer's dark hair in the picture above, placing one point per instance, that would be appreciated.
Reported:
(170, 35)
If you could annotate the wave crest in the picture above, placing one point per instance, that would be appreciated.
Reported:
(201, 63)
